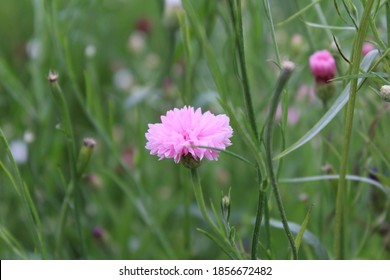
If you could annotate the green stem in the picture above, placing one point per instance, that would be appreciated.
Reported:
(388, 21)
(66, 127)
(267, 9)
(187, 217)
(340, 199)
(283, 78)
(236, 15)
(261, 206)
(230, 249)
(200, 200)
(63, 216)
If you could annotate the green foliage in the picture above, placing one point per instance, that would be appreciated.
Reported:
(114, 79)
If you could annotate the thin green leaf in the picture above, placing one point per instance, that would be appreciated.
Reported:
(298, 238)
(297, 14)
(18, 183)
(228, 153)
(350, 14)
(10, 177)
(15, 246)
(308, 237)
(217, 241)
(245, 135)
(339, 49)
(384, 189)
(210, 56)
(317, 25)
(217, 217)
(359, 76)
(15, 88)
(333, 110)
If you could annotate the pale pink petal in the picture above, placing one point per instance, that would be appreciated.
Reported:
(181, 130)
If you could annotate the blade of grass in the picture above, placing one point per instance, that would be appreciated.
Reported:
(298, 238)
(15, 246)
(327, 27)
(381, 187)
(28, 203)
(308, 237)
(297, 14)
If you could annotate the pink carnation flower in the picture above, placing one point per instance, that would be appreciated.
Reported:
(181, 130)
(323, 66)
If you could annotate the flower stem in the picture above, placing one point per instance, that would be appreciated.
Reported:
(340, 199)
(229, 248)
(283, 78)
(199, 198)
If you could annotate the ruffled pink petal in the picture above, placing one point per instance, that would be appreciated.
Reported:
(181, 130)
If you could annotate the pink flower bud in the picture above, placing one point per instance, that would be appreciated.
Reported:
(367, 47)
(323, 66)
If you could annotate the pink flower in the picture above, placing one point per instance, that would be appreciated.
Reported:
(367, 47)
(323, 66)
(181, 130)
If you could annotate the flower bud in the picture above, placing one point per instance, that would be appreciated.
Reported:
(52, 77)
(297, 43)
(172, 9)
(385, 93)
(225, 206)
(85, 154)
(288, 66)
(367, 47)
(323, 66)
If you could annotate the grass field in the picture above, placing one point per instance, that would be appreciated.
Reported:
(81, 80)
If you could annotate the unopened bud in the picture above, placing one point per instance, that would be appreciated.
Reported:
(225, 206)
(52, 77)
(385, 93)
(288, 66)
(323, 66)
(172, 9)
(297, 44)
(85, 154)
(367, 47)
